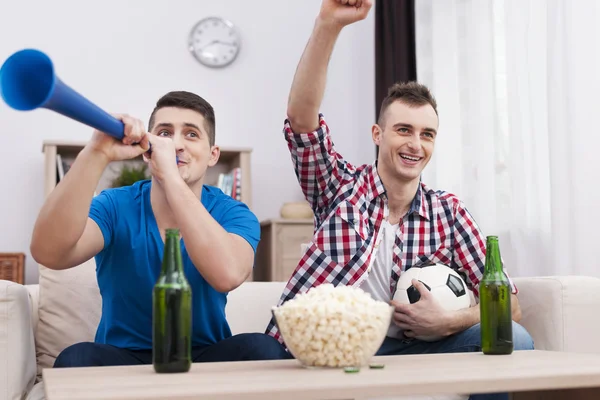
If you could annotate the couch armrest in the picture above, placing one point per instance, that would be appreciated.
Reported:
(560, 312)
(17, 349)
(34, 297)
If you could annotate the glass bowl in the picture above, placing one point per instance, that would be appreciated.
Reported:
(335, 328)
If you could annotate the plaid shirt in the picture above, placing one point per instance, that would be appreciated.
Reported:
(349, 205)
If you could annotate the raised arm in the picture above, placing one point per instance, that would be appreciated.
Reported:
(310, 79)
(320, 170)
(64, 236)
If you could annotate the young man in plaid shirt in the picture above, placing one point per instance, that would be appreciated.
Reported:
(375, 221)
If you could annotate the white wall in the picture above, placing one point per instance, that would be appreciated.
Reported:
(123, 55)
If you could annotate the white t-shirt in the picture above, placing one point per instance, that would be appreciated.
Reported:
(378, 280)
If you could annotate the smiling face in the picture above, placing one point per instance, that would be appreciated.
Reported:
(405, 133)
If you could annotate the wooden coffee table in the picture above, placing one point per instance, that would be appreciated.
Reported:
(529, 374)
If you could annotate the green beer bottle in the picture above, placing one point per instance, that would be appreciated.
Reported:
(172, 312)
(494, 303)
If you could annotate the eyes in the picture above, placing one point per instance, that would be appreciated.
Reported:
(407, 132)
(167, 133)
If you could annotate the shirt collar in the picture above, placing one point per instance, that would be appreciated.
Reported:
(376, 189)
(419, 203)
(375, 184)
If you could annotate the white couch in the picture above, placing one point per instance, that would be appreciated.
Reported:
(37, 321)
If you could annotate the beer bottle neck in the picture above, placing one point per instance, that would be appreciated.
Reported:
(172, 261)
(493, 260)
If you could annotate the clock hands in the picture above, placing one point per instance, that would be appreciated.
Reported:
(216, 41)
(227, 43)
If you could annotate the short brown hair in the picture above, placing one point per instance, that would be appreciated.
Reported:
(410, 93)
(190, 101)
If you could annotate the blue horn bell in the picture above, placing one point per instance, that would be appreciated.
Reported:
(28, 81)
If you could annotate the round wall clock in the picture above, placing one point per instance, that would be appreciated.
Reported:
(214, 42)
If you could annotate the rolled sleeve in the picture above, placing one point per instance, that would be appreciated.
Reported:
(306, 139)
(319, 168)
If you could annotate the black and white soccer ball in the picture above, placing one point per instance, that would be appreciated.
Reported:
(444, 283)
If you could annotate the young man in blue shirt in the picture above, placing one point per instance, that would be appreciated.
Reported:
(124, 229)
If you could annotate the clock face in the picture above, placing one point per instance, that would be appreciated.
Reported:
(214, 42)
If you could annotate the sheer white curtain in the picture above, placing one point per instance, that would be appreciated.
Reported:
(517, 84)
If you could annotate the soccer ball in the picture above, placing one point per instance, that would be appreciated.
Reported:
(444, 283)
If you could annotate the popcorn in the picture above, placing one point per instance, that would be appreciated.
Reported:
(332, 326)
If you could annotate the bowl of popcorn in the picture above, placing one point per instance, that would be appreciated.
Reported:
(333, 326)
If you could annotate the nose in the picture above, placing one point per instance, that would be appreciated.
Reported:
(414, 142)
(178, 141)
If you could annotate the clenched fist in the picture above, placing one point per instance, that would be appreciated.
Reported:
(134, 142)
(344, 12)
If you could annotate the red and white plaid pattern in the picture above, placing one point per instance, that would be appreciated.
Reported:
(349, 205)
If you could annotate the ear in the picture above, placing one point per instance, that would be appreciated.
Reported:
(376, 133)
(215, 153)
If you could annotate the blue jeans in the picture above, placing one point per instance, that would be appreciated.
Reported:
(242, 347)
(466, 341)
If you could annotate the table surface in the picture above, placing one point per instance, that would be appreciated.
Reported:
(405, 375)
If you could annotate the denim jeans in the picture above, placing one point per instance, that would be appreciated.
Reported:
(242, 347)
(466, 341)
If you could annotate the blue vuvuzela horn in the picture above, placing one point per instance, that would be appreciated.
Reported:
(28, 81)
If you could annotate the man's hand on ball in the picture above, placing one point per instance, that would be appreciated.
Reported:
(426, 317)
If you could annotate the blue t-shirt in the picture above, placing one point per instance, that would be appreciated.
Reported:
(130, 263)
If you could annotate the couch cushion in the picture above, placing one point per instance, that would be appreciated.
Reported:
(69, 310)
(558, 312)
(249, 306)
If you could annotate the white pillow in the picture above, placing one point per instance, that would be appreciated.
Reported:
(69, 310)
